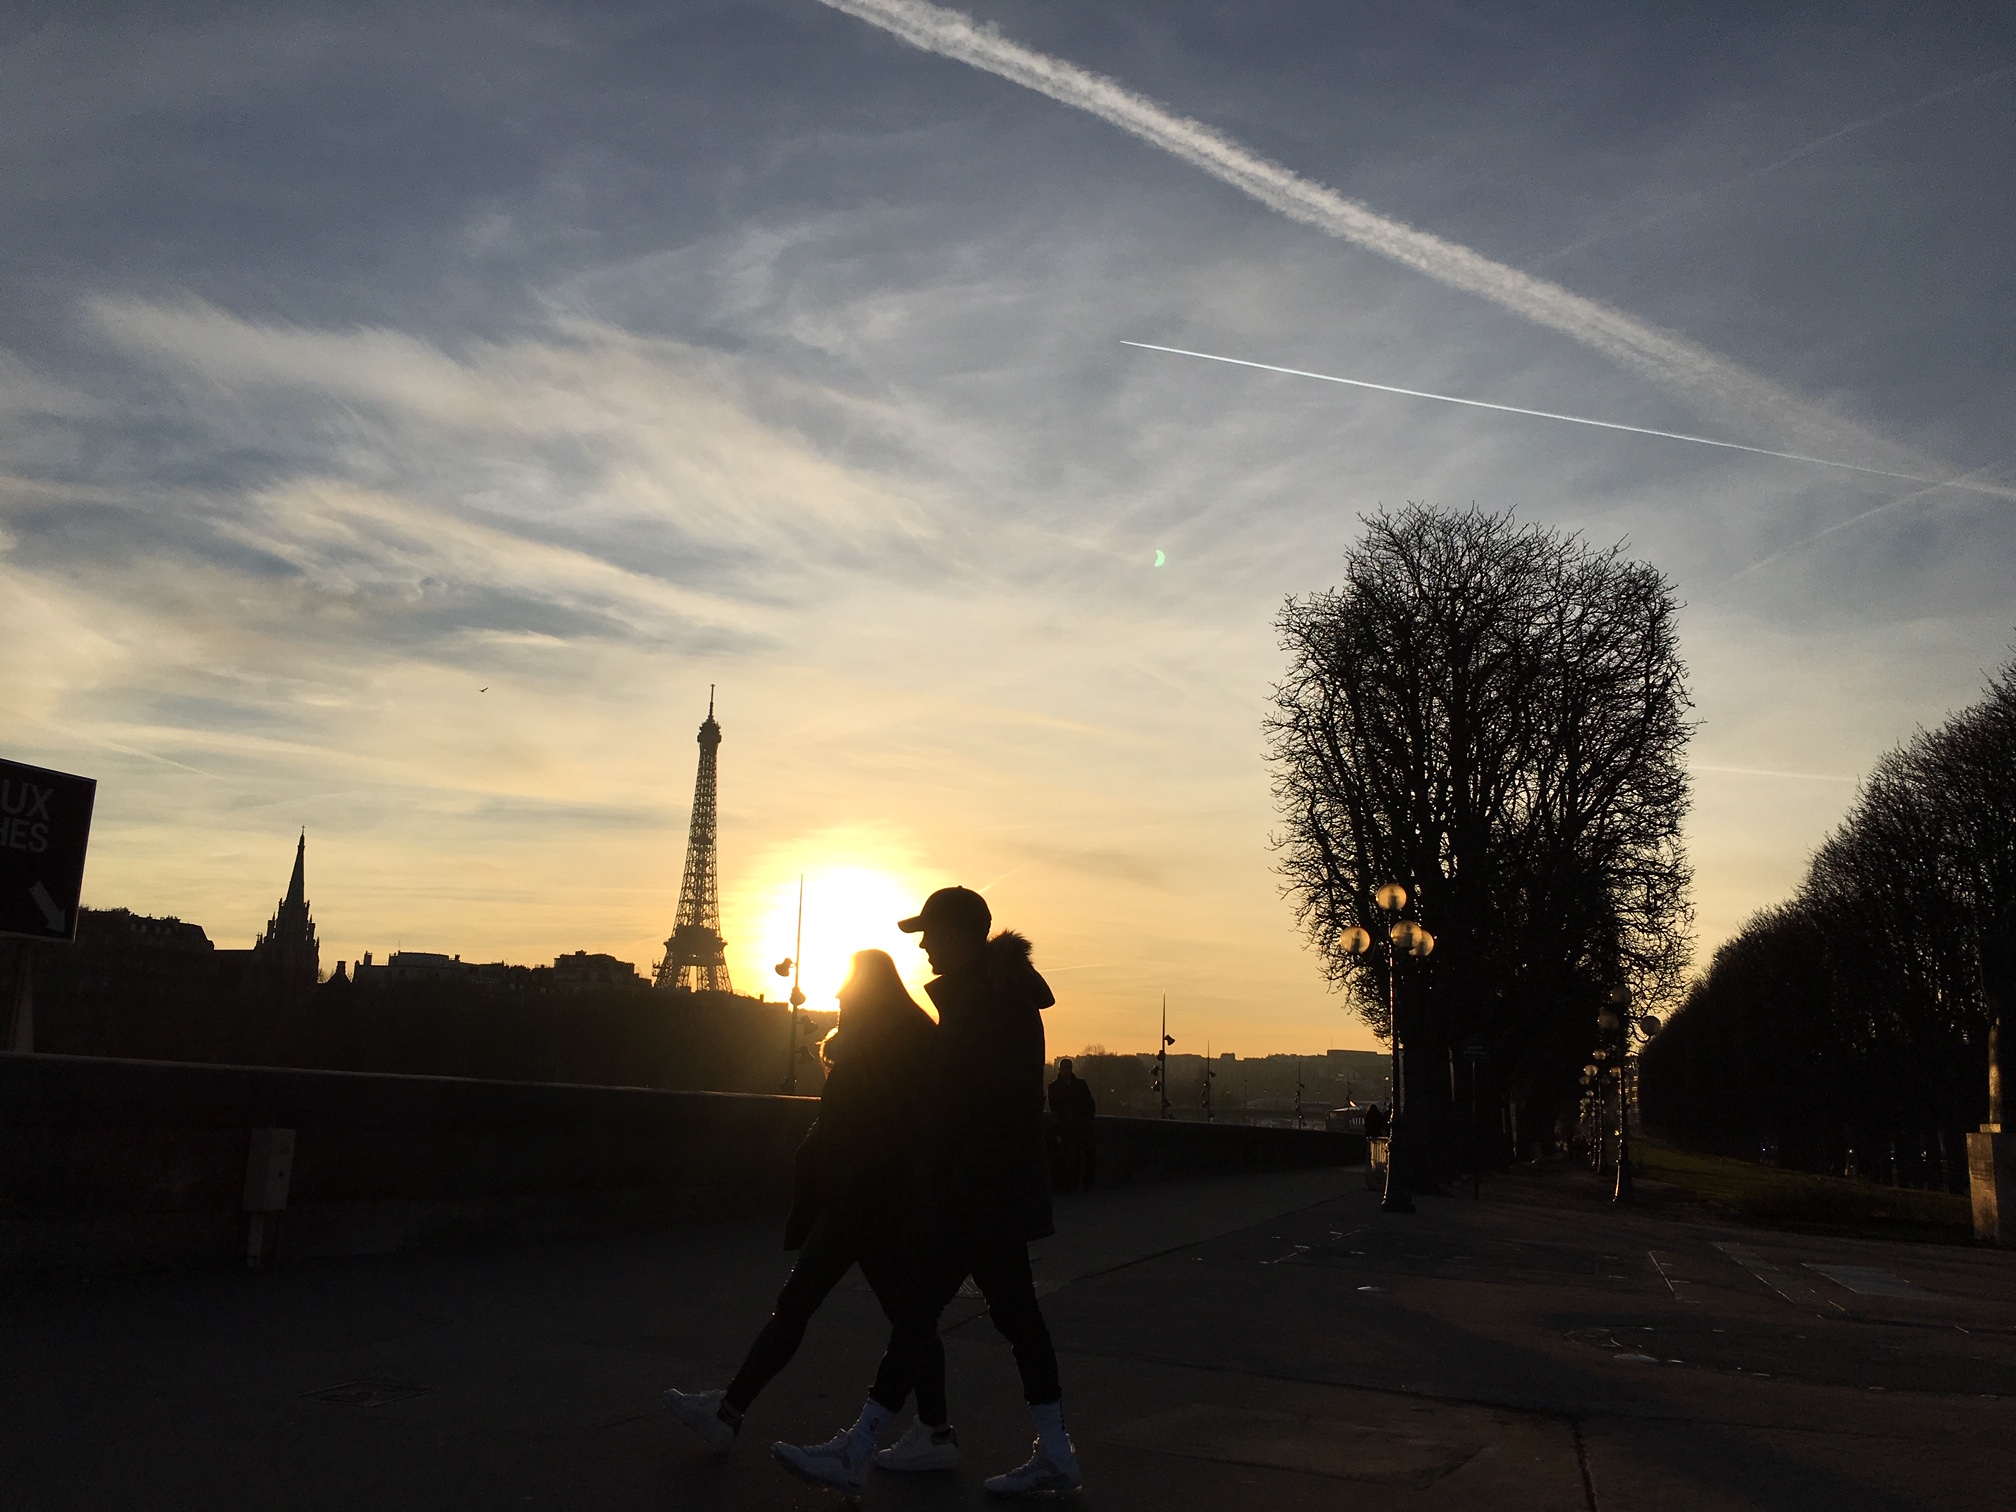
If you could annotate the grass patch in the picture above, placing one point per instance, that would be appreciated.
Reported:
(1772, 1197)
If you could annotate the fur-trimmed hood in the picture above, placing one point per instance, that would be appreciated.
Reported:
(1012, 970)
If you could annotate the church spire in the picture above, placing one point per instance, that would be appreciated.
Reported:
(288, 956)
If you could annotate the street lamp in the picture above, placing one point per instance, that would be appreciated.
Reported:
(789, 966)
(1402, 935)
(1615, 1022)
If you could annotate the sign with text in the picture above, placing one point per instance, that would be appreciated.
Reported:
(45, 823)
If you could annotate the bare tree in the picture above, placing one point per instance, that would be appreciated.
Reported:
(1494, 716)
(1900, 940)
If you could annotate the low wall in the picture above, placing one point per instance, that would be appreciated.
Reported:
(1154, 1149)
(117, 1164)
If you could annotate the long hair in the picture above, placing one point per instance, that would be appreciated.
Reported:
(876, 1009)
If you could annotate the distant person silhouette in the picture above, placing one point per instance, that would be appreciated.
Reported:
(983, 1194)
(846, 1210)
(1375, 1122)
(1076, 1109)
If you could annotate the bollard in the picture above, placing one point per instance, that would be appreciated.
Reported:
(1991, 1179)
(269, 1167)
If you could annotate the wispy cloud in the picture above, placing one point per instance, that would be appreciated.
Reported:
(1711, 382)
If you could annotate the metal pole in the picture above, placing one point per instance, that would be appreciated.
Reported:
(1476, 1149)
(797, 996)
(1623, 1190)
(1397, 1199)
(1162, 1058)
(21, 1015)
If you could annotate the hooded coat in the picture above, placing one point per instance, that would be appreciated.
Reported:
(984, 1168)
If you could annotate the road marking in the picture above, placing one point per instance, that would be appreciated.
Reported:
(1868, 1281)
(1673, 1284)
(1794, 1288)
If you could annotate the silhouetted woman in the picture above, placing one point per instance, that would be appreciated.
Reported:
(853, 1172)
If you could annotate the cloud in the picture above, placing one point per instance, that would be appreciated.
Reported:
(1715, 385)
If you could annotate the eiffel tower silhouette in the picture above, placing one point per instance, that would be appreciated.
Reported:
(696, 957)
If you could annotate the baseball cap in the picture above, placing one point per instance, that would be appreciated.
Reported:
(951, 908)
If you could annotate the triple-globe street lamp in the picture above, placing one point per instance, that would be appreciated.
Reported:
(1403, 936)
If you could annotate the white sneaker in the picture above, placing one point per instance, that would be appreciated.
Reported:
(1042, 1474)
(922, 1447)
(704, 1412)
(830, 1464)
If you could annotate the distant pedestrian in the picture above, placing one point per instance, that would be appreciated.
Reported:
(851, 1181)
(1076, 1111)
(983, 1194)
(1375, 1122)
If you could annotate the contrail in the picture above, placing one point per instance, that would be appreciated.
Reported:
(1965, 483)
(1735, 395)
(1700, 197)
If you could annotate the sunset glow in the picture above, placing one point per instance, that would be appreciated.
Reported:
(847, 908)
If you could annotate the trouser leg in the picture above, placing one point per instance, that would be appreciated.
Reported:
(927, 1283)
(1001, 1270)
(915, 1356)
(826, 1257)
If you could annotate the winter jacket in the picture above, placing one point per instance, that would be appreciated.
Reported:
(984, 1170)
(854, 1166)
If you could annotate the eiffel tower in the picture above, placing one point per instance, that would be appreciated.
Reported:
(696, 957)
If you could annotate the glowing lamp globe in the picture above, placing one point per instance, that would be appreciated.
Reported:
(1608, 1021)
(1424, 943)
(1404, 933)
(1354, 941)
(1392, 897)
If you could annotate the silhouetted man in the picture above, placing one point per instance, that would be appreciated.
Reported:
(982, 1194)
(1072, 1101)
(1375, 1122)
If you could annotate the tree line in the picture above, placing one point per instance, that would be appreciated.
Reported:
(1494, 716)
(1850, 1028)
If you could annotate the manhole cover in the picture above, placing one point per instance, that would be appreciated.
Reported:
(367, 1393)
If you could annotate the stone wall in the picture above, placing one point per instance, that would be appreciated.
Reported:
(118, 1164)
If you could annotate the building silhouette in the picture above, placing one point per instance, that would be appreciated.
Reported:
(696, 957)
(287, 959)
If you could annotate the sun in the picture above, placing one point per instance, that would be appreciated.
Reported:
(847, 908)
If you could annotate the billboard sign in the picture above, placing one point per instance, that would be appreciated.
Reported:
(45, 823)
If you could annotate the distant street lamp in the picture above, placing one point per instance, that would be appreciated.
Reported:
(1401, 935)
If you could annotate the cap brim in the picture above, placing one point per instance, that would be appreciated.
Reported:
(911, 926)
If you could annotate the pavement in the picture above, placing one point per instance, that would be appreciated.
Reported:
(1266, 1342)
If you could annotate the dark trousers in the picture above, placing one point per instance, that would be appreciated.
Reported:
(828, 1255)
(999, 1266)
(1080, 1155)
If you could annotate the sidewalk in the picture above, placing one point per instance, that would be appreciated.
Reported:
(1273, 1342)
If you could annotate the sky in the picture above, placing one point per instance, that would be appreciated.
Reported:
(408, 413)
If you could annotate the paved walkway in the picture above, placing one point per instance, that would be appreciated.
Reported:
(1271, 1342)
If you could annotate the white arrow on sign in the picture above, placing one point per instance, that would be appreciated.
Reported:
(47, 904)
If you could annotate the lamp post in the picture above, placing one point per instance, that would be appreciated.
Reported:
(1615, 1022)
(1162, 1059)
(789, 966)
(1591, 1111)
(1401, 935)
